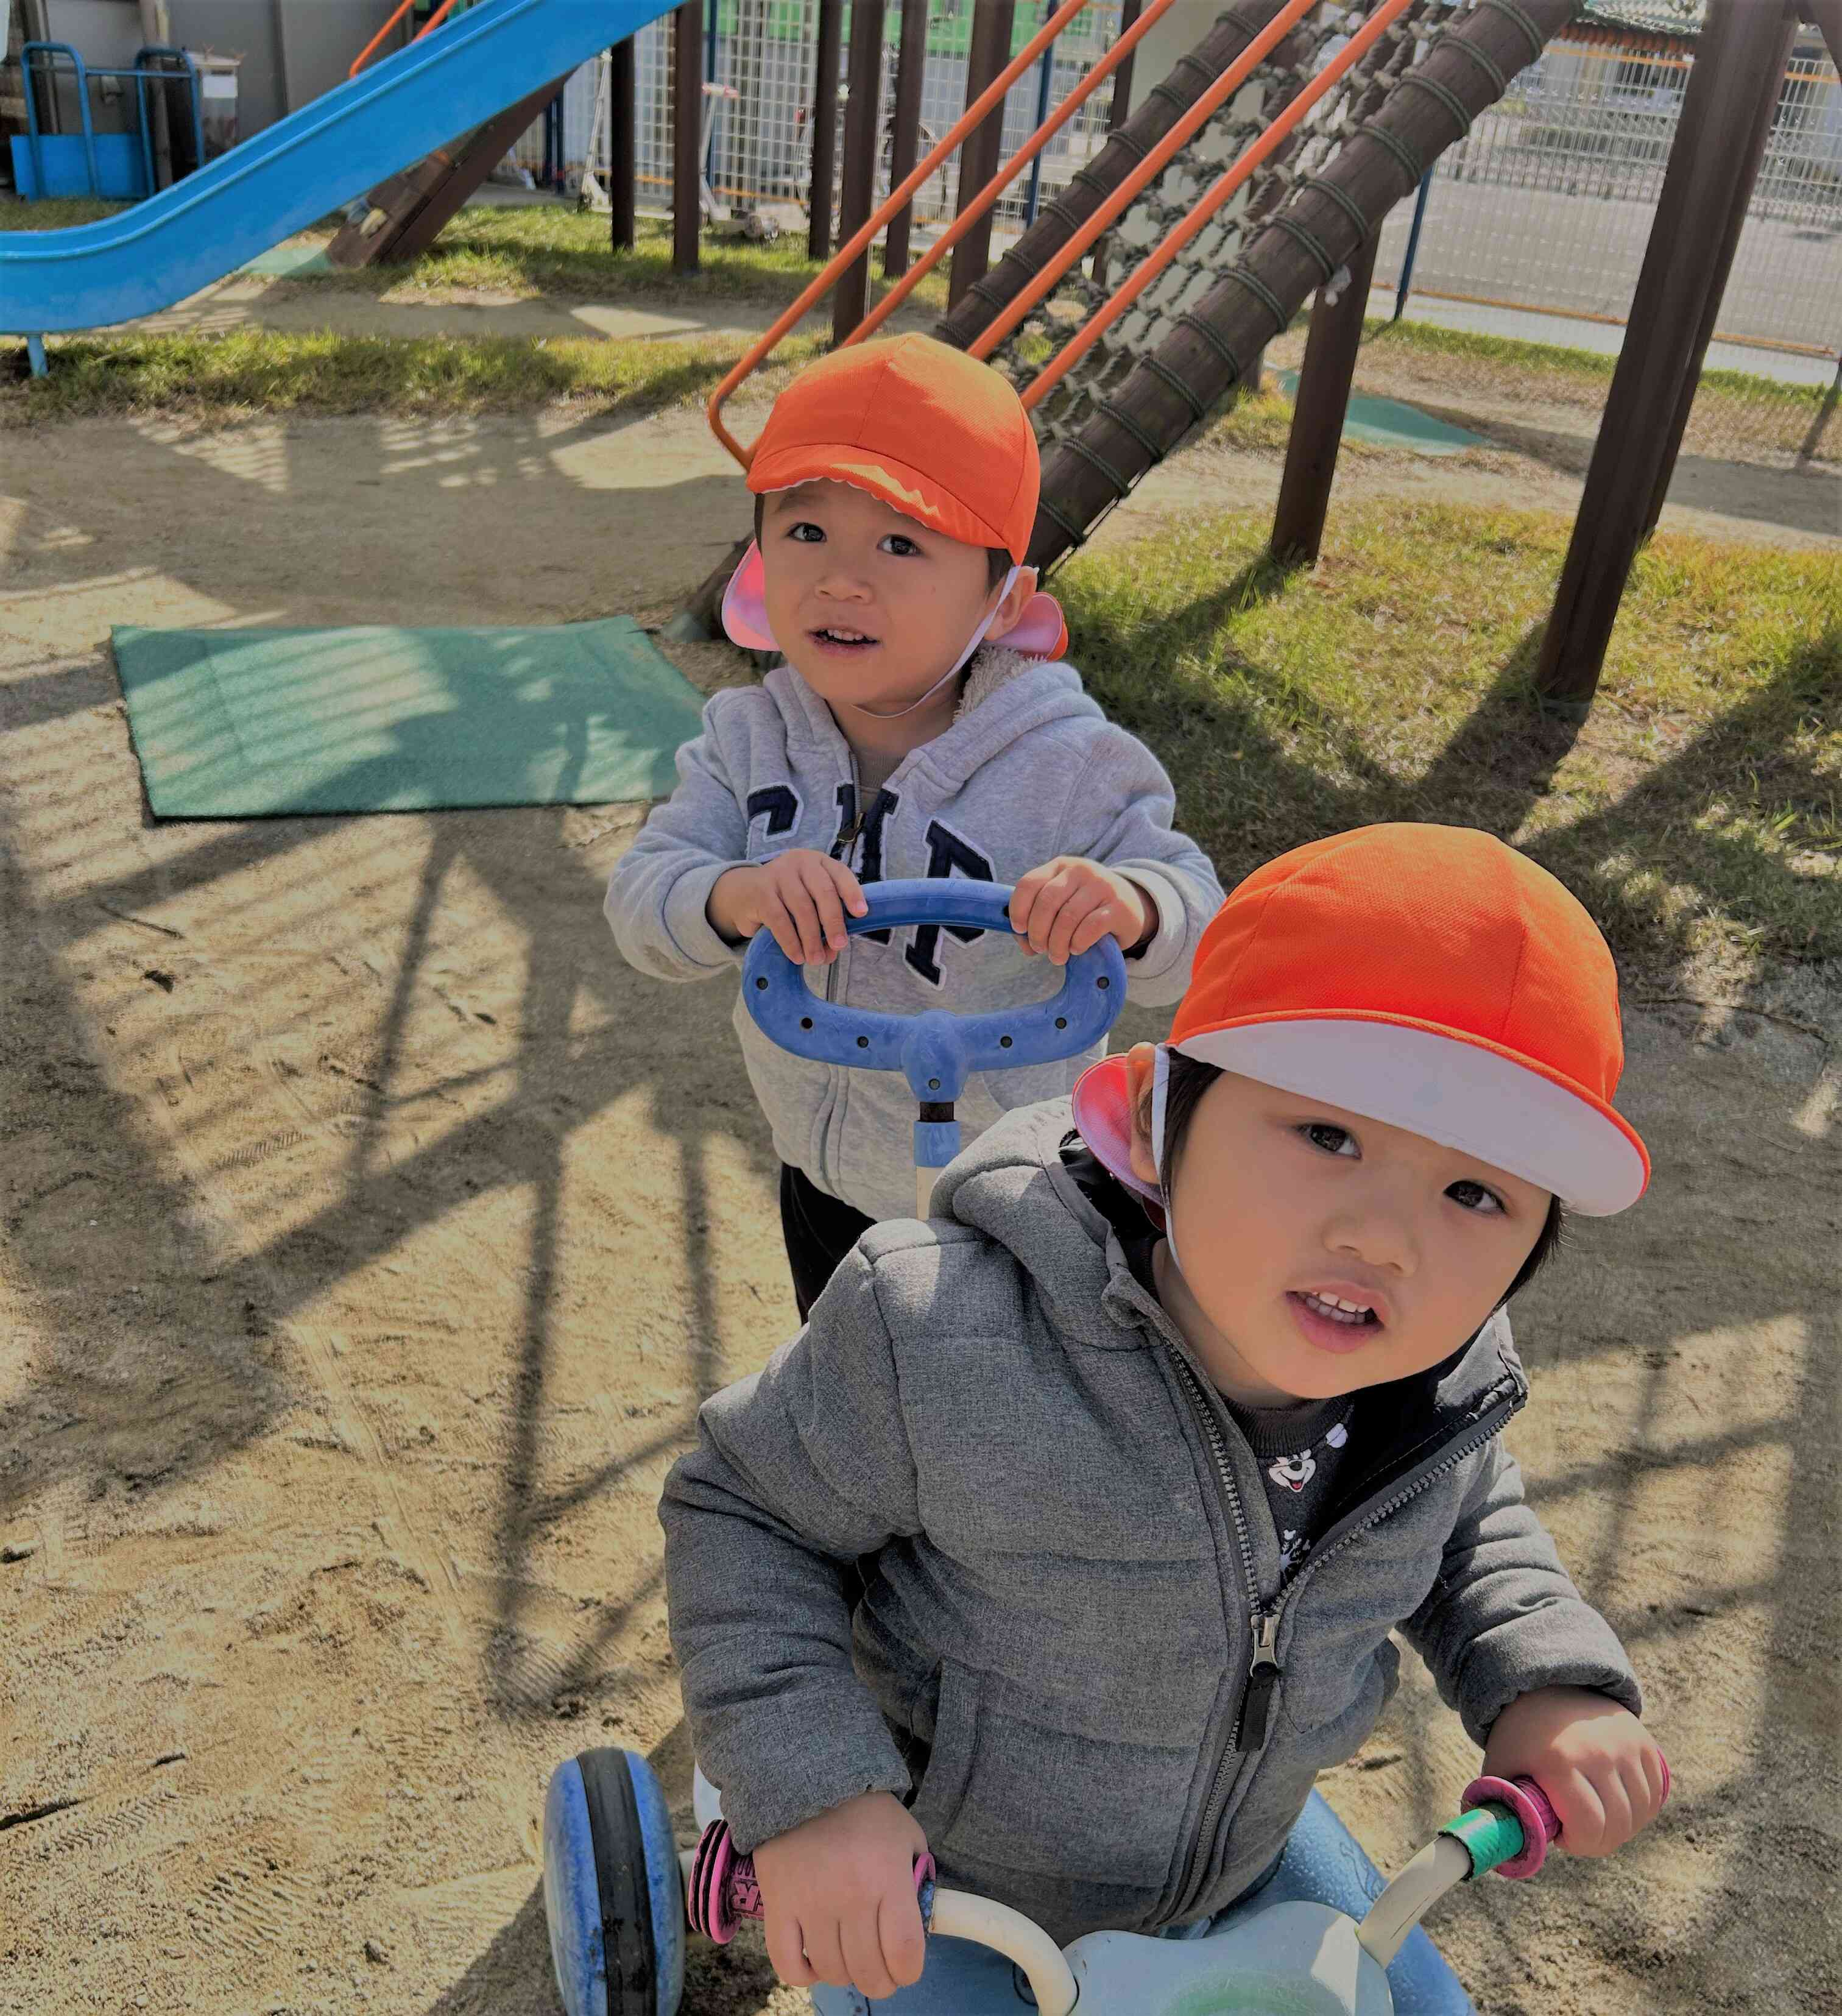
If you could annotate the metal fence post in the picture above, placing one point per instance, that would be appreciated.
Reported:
(862, 116)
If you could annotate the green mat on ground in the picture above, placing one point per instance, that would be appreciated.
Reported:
(1392, 423)
(289, 262)
(240, 724)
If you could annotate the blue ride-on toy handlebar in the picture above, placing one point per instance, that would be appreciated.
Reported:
(934, 1050)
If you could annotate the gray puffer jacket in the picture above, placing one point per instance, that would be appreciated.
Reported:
(1073, 1643)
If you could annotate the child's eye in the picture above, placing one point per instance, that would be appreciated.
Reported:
(902, 547)
(807, 533)
(1333, 1140)
(1475, 1196)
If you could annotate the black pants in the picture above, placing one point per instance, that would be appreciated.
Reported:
(819, 1230)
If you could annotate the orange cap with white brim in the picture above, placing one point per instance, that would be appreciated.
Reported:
(1428, 977)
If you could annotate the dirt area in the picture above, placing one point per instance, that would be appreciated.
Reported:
(371, 1233)
(1536, 455)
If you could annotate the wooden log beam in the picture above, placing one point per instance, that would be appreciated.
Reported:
(1166, 396)
(1739, 62)
(687, 135)
(407, 213)
(1319, 413)
(623, 147)
(824, 126)
(987, 54)
(1724, 239)
(862, 116)
(910, 68)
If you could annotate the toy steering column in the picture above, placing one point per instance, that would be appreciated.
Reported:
(935, 1051)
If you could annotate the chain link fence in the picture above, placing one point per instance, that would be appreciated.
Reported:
(761, 56)
(1548, 204)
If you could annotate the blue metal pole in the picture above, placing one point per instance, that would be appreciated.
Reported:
(1413, 244)
(1043, 83)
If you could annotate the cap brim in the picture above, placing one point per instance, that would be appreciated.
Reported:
(1454, 1088)
(897, 484)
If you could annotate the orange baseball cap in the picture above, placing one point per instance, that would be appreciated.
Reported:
(934, 434)
(1428, 977)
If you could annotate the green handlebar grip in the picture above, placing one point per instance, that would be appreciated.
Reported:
(1489, 1834)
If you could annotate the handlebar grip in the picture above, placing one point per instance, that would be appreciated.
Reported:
(1524, 1802)
(722, 1889)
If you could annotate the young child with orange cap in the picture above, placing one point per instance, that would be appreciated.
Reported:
(1190, 1393)
(922, 724)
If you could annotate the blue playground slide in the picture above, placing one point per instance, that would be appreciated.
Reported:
(293, 173)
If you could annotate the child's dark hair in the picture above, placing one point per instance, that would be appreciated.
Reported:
(998, 561)
(1190, 1078)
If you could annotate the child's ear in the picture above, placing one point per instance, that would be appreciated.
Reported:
(1016, 600)
(1141, 1064)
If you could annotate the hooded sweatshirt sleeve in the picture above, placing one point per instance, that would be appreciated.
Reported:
(1505, 1617)
(1119, 813)
(796, 1472)
(657, 893)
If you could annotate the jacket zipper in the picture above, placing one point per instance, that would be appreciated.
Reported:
(1253, 1716)
(1260, 1623)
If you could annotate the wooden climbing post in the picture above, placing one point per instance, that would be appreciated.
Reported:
(989, 51)
(1319, 413)
(862, 117)
(1733, 84)
(824, 126)
(1726, 235)
(687, 135)
(910, 69)
(622, 145)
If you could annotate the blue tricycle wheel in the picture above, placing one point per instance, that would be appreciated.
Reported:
(613, 1892)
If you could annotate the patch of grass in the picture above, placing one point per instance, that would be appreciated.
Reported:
(53, 213)
(1698, 813)
(563, 254)
(217, 377)
(1541, 365)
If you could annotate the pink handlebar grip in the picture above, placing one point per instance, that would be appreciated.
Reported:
(722, 1890)
(1541, 1824)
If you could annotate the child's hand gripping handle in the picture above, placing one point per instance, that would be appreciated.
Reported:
(936, 1051)
(721, 1889)
(1508, 1824)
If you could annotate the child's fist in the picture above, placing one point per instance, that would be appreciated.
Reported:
(1069, 904)
(838, 1892)
(1603, 1774)
(800, 897)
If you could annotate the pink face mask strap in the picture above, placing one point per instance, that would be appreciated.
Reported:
(978, 638)
(1160, 1086)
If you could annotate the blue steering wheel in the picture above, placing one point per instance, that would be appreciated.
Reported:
(934, 1050)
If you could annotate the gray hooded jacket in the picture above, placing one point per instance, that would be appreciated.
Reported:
(1030, 769)
(1073, 1643)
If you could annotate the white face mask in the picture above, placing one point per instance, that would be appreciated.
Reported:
(978, 638)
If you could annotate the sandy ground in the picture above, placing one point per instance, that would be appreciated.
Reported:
(371, 1234)
(1537, 454)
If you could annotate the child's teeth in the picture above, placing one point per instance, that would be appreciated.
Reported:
(1335, 1306)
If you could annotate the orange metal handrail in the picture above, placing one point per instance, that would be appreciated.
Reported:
(1009, 173)
(992, 96)
(1103, 317)
(1148, 170)
(371, 48)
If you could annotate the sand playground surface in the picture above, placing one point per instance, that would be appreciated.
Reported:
(371, 1233)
